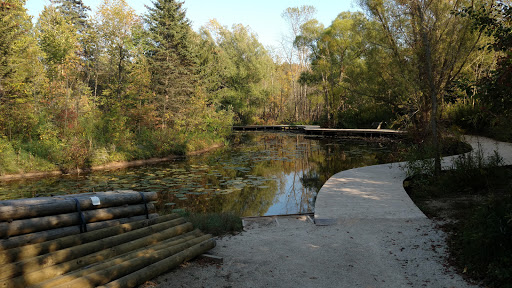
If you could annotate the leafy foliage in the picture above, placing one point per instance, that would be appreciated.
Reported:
(125, 86)
(493, 88)
(217, 224)
(79, 90)
(477, 199)
(485, 241)
(242, 66)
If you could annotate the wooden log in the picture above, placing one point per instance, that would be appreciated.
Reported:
(113, 261)
(28, 251)
(47, 235)
(29, 279)
(39, 262)
(25, 226)
(44, 206)
(157, 268)
(150, 256)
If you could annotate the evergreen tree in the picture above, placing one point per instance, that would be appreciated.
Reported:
(14, 22)
(57, 38)
(173, 62)
(75, 10)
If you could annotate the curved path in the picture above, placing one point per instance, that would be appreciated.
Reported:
(373, 236)
(376, 192)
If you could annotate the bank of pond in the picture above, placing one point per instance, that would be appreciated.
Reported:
(259, 173)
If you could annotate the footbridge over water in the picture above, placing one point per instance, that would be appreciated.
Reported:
(316, 130)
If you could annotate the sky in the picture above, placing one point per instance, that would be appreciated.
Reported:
(263, 16)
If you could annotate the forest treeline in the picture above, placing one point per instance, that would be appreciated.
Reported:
(79, 88)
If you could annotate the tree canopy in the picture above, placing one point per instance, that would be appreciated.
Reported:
(81, 88)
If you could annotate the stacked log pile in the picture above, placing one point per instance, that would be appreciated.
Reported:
(118, 250)
(28, 221)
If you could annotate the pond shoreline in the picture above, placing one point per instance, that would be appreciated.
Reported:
(112, 165)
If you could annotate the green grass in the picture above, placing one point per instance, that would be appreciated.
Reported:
(66, 154)
(217, 224)
(17, 160)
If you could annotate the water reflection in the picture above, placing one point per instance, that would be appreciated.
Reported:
(260, 174)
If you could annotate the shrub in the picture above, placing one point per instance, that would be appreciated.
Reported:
(363, 117)
(487, 241)
(469, 116)
(471, 171)
(217, 224)
(15, 159)
(477, 172)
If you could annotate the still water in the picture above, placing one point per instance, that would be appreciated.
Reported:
(259, 174)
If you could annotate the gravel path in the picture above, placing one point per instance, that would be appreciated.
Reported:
(369, 234)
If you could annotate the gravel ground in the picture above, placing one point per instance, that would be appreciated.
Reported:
(293, 252)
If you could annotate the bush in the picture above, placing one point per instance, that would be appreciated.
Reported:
(15, 159)
(420, 160)
(487, 241)
(478, 196)
(420, 157)
(112, 130)
(161, 143)
(363, 117)
(500, 129)
(477, 119)
(473, 118)
(477, 172)
(217, 224)
(470, 172)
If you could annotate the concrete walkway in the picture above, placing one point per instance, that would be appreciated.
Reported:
(376, 192)
(373, 236)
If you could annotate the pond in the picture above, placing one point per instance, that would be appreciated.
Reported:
(260, 173)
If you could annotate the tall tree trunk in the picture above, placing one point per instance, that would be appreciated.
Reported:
(432, 91)
(120, 73)
(327, 102)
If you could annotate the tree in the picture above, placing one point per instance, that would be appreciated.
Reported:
(428, 41)
(139, 101)
(75, 11)
(57, 38)
(336, 50)
(114, 24)
(172, 60)
(243, 70)
(297, 52)
(59, 41)
(494, 19)
(21, 76)
(14, 23)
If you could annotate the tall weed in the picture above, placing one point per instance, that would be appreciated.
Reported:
(217, 224)
(477, 172)
(486, 241)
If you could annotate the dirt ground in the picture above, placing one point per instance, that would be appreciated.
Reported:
(293, 252)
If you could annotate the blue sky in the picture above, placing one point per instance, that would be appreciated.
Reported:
(263, 16)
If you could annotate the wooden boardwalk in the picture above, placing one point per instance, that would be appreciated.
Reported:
(268, 127)
(316, 130)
